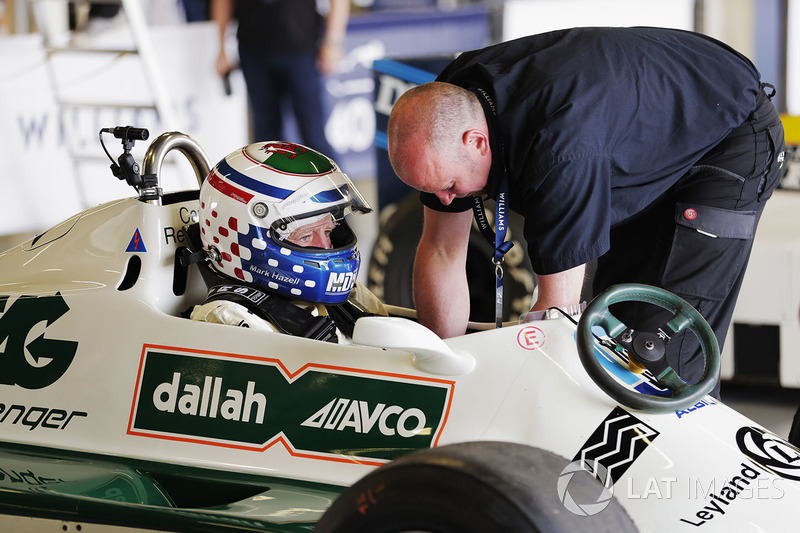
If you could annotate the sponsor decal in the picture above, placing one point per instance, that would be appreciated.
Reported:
(736, 487)
(341, 414)
(27, 357)
(690, 214)
(606, 455)
(702, 403)
(616, 443)
(253, 403)
(29, 478)
(186, 216)
(137, 243)
(530, 338)
(227, 189)
(36, 417)
(644, 382)
(769, 451)
(340, 282)
(121, 488)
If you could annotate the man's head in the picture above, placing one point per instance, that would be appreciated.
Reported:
(272, 214)
(439, 141)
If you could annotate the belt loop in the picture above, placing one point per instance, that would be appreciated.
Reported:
(764, 85)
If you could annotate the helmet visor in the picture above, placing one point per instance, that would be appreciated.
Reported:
(333, 193)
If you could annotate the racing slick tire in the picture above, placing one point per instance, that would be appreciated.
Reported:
(473, 487)
(392, 261)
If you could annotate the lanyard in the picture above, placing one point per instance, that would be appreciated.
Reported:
(497, 239)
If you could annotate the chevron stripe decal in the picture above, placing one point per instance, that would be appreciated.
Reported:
(616, 443)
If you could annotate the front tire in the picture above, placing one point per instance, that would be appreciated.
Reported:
(474, 487)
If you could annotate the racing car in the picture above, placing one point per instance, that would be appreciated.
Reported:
(118, 410)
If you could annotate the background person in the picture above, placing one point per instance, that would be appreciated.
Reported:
(652, 150)
(284, 48)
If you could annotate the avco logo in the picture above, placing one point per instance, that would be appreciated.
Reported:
(253, 403)
(27, 357)
(341, 414)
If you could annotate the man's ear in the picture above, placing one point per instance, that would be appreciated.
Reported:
(476, 139)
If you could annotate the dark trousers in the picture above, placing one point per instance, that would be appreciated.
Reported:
(291, 82)
(695, 240)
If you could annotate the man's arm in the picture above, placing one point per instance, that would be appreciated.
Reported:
(441, 294)
(221, 13)
(332, 47)
(560, 289)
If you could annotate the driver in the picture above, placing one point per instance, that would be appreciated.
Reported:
(272, 224)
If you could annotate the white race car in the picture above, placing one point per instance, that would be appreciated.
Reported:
(116, 410)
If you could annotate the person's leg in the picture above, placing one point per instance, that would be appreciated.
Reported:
(695, 242)
(264, 94)
(306, 91)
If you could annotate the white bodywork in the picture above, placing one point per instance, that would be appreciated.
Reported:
(673, 472)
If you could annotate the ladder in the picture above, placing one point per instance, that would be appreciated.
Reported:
(50, 17)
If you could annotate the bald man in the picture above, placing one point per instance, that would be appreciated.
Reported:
(650, 150)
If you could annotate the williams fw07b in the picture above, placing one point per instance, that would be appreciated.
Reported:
(118, 411)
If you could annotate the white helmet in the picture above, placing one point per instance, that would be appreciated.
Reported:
(256, 196)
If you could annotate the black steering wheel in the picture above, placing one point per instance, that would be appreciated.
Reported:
(647, 350)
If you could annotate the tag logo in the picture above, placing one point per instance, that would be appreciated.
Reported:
(690, 214)
(41, 361)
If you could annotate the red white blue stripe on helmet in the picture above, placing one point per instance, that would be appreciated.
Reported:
(231, 174)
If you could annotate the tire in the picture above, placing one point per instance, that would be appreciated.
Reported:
(392, 261)
(474, 487)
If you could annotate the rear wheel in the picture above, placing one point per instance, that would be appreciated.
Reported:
(472, 487)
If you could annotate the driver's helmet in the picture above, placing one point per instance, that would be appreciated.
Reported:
(256, 196)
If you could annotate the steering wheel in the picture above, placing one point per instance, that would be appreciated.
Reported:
(647, 349)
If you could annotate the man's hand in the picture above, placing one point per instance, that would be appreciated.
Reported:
(560, 289)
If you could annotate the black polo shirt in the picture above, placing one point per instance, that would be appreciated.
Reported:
(279, 26)
(594, 124)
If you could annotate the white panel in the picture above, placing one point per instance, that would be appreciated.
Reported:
(793, 60)
(528, 17)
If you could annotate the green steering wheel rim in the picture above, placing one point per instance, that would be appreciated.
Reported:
(684, 316)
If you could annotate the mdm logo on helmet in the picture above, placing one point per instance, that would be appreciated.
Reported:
(255, 197)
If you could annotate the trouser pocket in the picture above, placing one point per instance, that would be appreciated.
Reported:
(709, 249)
